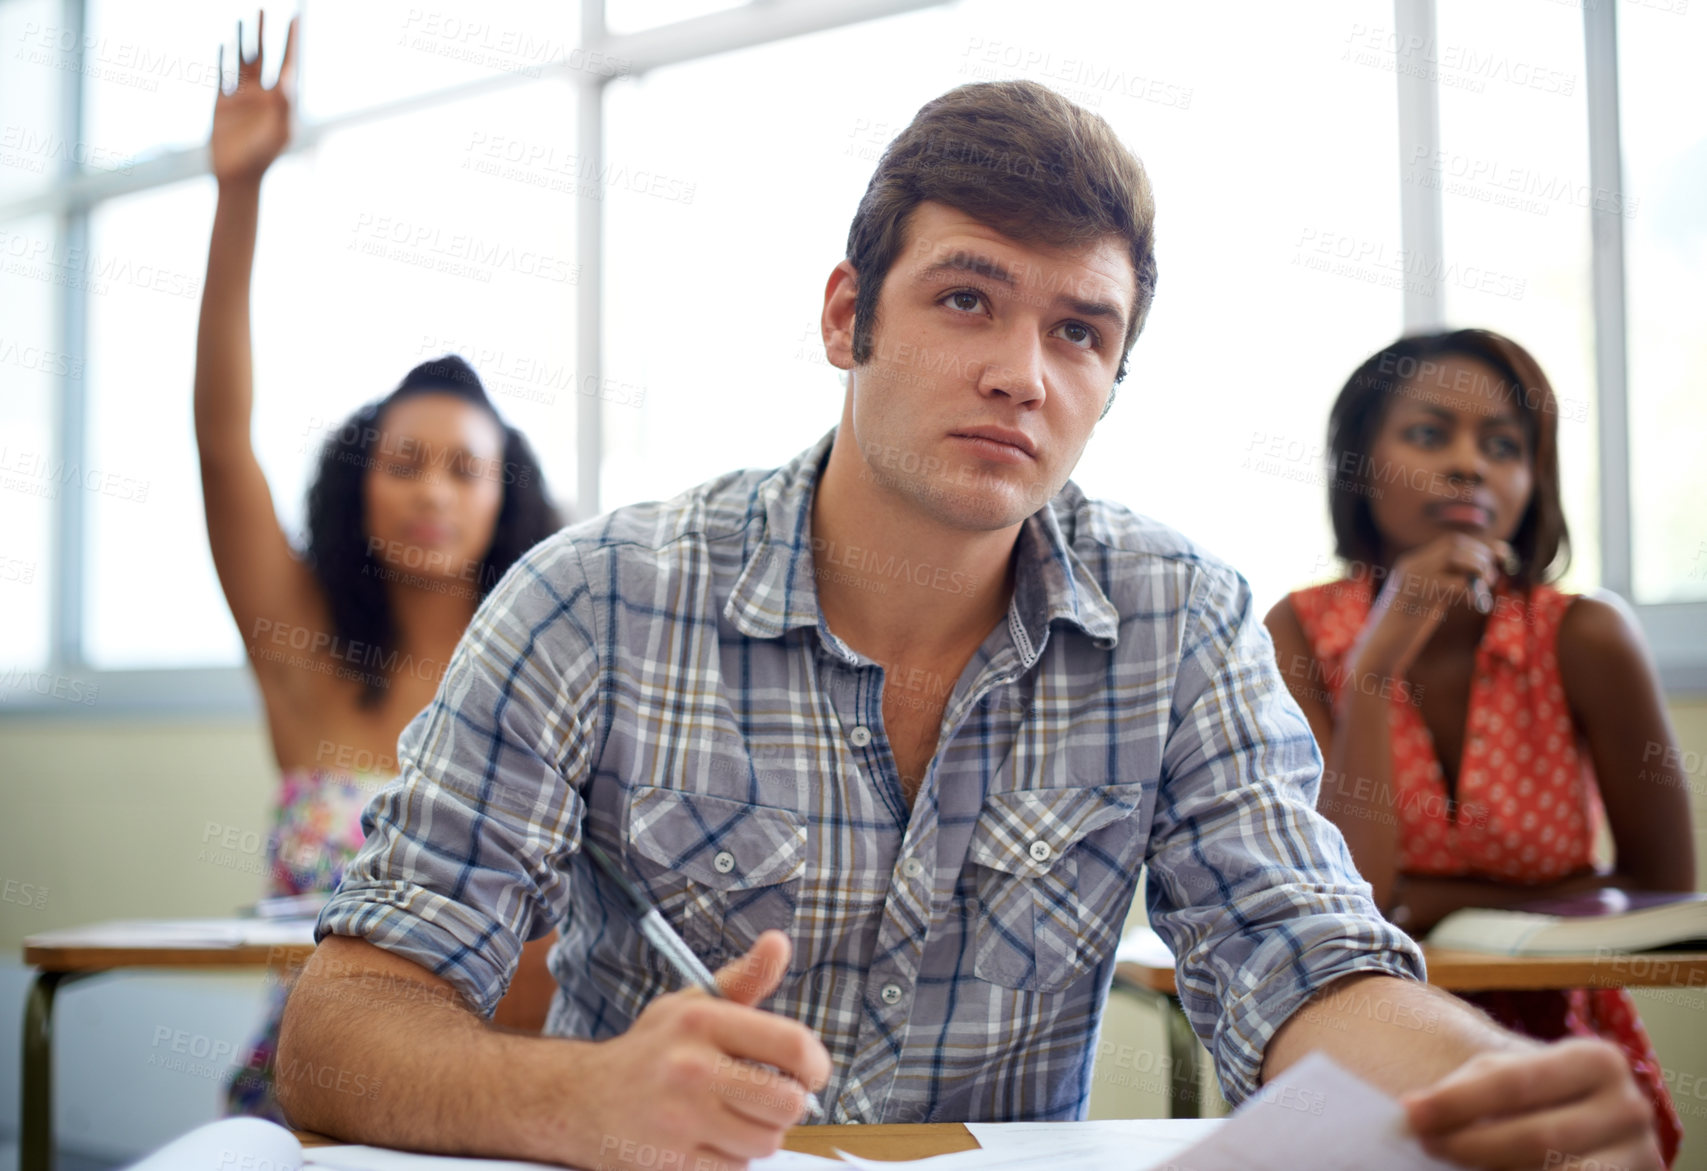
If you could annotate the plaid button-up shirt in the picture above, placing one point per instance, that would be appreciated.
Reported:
(660, 680)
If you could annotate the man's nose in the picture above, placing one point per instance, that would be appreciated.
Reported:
(1016, 368)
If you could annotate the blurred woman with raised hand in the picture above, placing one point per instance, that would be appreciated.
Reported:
(420, 502)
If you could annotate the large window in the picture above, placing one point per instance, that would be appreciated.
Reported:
(33, 365)
(1515, 214)
(1218, 427)
(376, 252)
(720, 149)
(1663, 102)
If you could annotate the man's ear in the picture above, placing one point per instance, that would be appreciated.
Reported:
(837, 321)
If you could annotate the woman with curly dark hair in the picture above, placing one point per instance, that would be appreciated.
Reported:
(420, 503)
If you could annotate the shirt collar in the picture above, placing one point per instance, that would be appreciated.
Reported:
(776, 592)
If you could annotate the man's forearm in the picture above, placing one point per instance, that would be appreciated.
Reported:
(372, 1054)
(1396, 1034)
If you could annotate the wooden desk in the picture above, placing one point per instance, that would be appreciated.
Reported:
(1144, 968)
(79, 956)
(884, 1141)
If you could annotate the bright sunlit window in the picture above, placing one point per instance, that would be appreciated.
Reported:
(1218, 429)
(1663, 100)
(432, 206)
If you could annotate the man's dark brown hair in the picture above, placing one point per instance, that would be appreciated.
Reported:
(1413, 365)
(1021, 158)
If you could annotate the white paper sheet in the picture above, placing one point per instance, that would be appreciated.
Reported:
(1136, 1142)
(381, 1159)
(358, 1158)
(228, 1143)
(258, 1145)
(1314, 1117)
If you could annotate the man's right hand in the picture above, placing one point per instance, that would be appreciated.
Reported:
(699, 1082)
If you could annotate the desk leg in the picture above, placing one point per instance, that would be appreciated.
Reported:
(1185, 1099)
(35, 1149)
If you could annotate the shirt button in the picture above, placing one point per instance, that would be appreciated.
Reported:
(1040, 851)
(724, 862)
(891, 994)
(912, 868)
(860, 736)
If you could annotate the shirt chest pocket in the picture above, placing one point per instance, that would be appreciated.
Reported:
(720, 871)
(1036, 914)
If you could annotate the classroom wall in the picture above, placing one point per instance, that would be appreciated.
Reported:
(109, 820)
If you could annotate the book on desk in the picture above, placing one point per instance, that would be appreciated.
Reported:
(1599, 920)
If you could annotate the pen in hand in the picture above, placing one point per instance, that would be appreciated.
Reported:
(671, 946)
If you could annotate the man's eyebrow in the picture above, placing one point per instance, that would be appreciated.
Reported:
(989, 267)
(967, 262)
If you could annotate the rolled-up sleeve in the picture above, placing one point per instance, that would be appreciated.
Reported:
(1252, 889)
(465, 853)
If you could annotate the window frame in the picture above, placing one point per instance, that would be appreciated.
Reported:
(1676, 632)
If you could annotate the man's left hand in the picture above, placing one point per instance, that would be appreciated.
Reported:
(1560, 1106)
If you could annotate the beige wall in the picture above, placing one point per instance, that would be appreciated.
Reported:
(108, 819)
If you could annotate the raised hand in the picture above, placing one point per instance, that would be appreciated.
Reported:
(251, 123)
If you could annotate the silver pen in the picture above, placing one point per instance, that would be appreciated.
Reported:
(671, 946)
